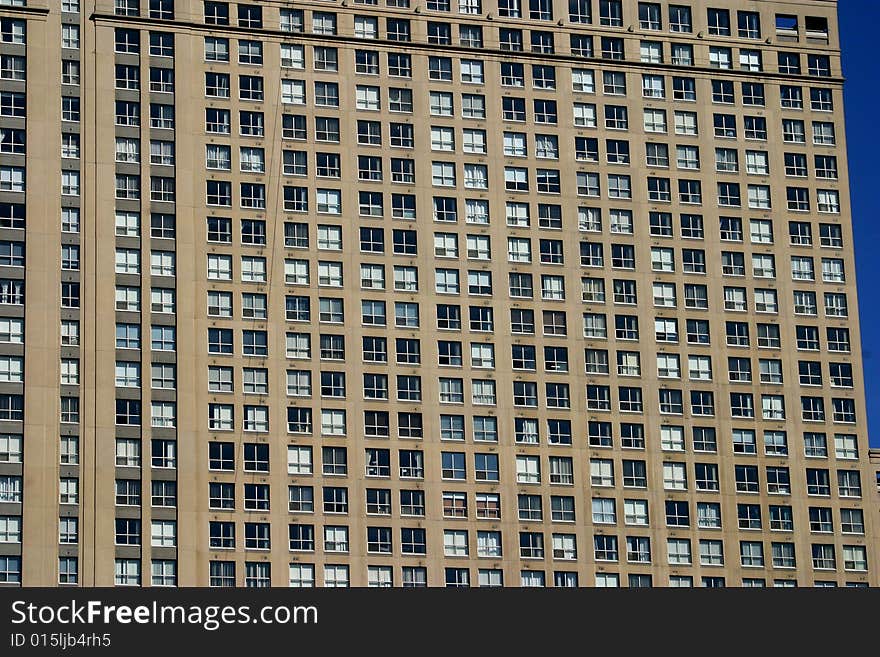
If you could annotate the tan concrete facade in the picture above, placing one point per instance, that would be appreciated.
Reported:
(305, 181)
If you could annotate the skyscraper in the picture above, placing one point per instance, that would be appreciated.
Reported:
(428, 292)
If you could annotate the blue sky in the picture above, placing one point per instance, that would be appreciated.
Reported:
(862, 104)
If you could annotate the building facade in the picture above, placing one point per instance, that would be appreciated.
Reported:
(428, 292)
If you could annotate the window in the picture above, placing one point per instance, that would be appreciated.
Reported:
(849, 483)
(70, 36)
(336, 576)
(601, 472)
(11, 490)
(751, 60)
(674, 477)
(292, 56)
(649, 16)
(366, 27)
(823, 133)
(611, 13)
(616, 117)
(366, 97)
(855, 558)
(471, 71)
(791, 97)
(852, 521)
(638, 549)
